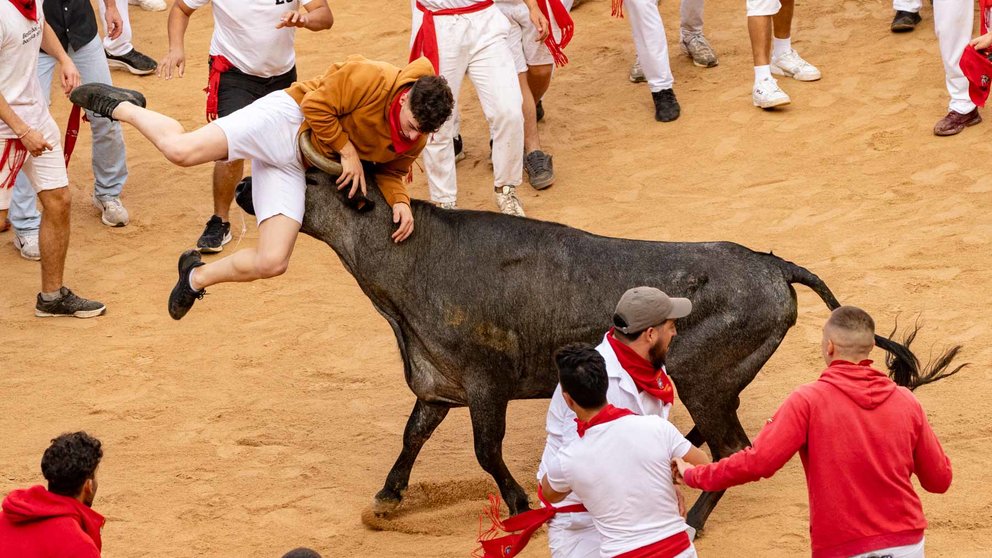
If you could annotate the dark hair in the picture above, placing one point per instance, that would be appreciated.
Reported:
(70, 461)
(301, 553)
(582, 374)
(431, 102)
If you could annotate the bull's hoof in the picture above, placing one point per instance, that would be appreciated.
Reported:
(385, 503)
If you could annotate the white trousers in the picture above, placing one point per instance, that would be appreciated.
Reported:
(907, 5)
(476, 45)
(908, 551)
(952, 21)
(691, 12)
(578, 539)
(650, 41)
(122, 44)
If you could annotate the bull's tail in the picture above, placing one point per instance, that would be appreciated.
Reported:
(904, 367)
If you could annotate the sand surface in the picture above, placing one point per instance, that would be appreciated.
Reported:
(270, 416)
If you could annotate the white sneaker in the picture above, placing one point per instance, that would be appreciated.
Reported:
(792, 65)
(767, 94)
(506, 199)
(446, 205)
(149, 5)
(112, 211)
(636, 74)
(28, 246)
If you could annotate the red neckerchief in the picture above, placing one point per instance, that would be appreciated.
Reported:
(425, 42)
(519, 528)
(565, 24)
(607, 414)
(27, 9)
(400, 143)
(218, 65)
(655, 382)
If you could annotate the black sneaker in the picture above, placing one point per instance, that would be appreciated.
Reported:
(904, 22)
(459, 148)
(102, 99)
(216, 234)
(540, 170)
(242, 195)
(132, 61)
(183, 296)
(540, 111)
(666, 106)
(68, 305)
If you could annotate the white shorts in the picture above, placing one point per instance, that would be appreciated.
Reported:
(763, 7)
(522, 37)
(264, 132)
(44, 172)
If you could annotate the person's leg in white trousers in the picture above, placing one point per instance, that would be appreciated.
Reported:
(122, 44)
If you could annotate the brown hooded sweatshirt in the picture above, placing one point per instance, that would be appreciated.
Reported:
(351, 102)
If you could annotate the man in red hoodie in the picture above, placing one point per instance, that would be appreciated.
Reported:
(860, 437)
(57, 522)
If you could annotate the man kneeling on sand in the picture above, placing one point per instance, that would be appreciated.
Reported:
(361, 110)
(37, 523)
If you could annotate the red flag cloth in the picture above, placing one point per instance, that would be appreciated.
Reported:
(665, 548)
(564, 22)
(400, 143)
(975, 64)
(27, 8)
(425, 43)
(609, 413)
(519, 527)
(655, 382)
(218, 65)
(11, 160)
(71, 133)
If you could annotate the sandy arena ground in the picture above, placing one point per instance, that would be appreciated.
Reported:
(269, 417)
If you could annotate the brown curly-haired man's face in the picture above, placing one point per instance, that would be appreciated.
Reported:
(409, 127)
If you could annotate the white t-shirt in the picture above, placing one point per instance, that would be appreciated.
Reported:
(245, 33)
(20, 44)
(621, 471)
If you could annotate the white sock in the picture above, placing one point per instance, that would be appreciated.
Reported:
(762, 72)
(781, 46)
(191, 272)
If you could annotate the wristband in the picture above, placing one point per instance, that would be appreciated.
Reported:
(25, 133)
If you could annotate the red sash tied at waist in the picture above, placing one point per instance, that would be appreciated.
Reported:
(519, 528)
(425, 43)
(218, 65)
(665, 548)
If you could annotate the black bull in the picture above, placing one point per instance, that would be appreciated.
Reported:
(480, 301)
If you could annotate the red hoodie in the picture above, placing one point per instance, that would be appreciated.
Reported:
(36, 523)
(860, 438)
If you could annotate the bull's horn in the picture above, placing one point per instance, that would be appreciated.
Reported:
(310, 152)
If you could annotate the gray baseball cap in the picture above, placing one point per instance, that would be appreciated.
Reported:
(644, 307)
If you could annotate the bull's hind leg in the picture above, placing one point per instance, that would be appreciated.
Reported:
(713, 406)
(419, 427)
(489, 427)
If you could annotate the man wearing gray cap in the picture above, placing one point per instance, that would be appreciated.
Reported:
(634, 350)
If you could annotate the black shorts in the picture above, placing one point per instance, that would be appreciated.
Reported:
(238, 89)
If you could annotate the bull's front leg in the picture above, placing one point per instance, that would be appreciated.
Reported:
(488, 414)
(423, 420)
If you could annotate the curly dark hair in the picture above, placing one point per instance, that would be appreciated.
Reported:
(70, 461)
(431, 102)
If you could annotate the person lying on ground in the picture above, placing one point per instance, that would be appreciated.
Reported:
(359, 110)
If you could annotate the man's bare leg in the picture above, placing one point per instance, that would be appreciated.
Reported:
(227, 174)
(539, 80)
(183, 148)
(532, 140)
(782, 21)
(760, 30)
(276, 239)
(53, 236)
(537, 163)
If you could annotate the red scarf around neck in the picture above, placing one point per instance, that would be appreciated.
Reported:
(27, 9)
(400, 143)
(607, 414)
(655, 382)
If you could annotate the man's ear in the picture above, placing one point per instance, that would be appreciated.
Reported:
(831, 348)
(568, 400)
